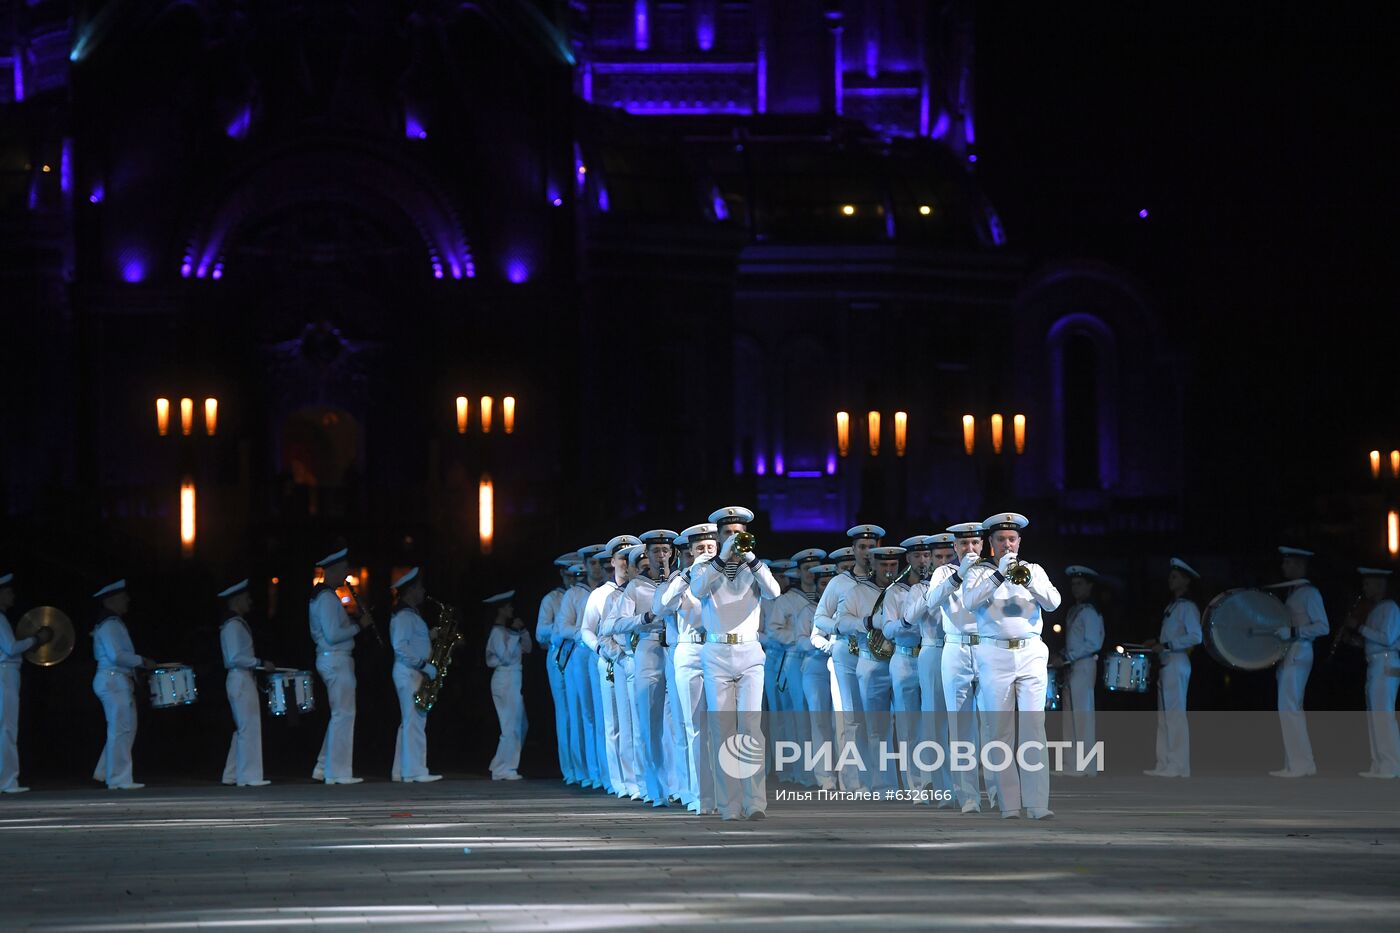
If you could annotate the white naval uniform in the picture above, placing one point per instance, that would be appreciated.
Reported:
(1083, 641)
(1181, 629)
(244, 764)
(607, 659)
(413, 647)
(846, 705)
(772, 651)
(958, 663)
(792, 724)
(1381, 633)
(818, 686)
(578, 681)
(114, 685)
(1011, 669)
(334, 635)
(675, 745)
(1307, 619)
(729, 595)
(504, 649)
(11, 658)
(689, 660)
(875, 724)
(933, 718)
(649, 687)
(544, 637)
(906, 697)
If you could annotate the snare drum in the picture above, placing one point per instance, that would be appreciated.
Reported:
(287, 688)
(1127, 671)
(172, 685)
(1052, 688)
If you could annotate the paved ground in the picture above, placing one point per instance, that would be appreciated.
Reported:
(534, 855)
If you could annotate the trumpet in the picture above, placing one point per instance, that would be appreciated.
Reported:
(1018, 573)
(745, 542)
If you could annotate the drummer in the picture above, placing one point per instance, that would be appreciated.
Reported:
(1181, 631)
(244, 765)
(11, 657)
(115, 686)
(1381, 633)
(1083, 640)
(1307, 619)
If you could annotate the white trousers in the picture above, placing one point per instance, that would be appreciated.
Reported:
(606, 697)
(510, 713)
(626, 697)
(337, 758)
(244, 764)
(690, 682)
(1292, 674)
(1382, 682)
(118, 695)
(411, 743)
(9, 726)
(1173, 731)
(848, 715)
(792, 711)
(559, 691)
(960, 696)
(877, 722)
(581, 711)
(908, 707)
(1077, 699)
(1012, 684)
(935, 711)
(817, 690)
(734, 695)
(649, 699)
(677, 747)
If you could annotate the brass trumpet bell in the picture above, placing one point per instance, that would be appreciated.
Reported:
(745, 542)
(1018, 573)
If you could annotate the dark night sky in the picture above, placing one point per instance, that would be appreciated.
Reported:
(1253, 134)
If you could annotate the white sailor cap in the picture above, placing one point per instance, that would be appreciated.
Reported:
(577, 570)
(1294, 551)
(705, 531)
(6, 579)
(915, 543)
(732, 515)
(811, 553)
(1006, 521)
(635, 553)
(842, 553)
(590, 551)
(942, 539)
(664, 535)
(785, 564)
(824, 570)
(1364, 571)
(618, 542)
(405, 580)
(865, 531)
(793, 574)
(967, 530)
(888, 553)
(1079, 570)
(234, 590)
(680, 540)
(566, 560)
(333, 556)
(1185, 568)
(499, 598)
(116, 586)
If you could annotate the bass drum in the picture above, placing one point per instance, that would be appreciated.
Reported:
(1235, 623)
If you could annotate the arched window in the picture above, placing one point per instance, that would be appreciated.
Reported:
(1084, 414)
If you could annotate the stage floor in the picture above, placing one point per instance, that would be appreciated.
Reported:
(535, 855)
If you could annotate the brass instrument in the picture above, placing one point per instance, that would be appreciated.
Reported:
(1018, 573)
(61, 627)
(449, 635)
(745, 542)
(880, 646)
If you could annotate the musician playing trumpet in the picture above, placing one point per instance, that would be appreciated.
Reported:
(413, 647)
(244, 765)
(1381, 634)
(507, 644)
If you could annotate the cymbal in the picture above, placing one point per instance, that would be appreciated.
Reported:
(50, 618)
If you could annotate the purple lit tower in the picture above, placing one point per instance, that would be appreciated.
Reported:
(337, 217)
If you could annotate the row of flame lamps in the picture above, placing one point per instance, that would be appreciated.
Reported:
(187, 410)
(486, 411)
(873, 421)
(1376, 464)
(485, 501)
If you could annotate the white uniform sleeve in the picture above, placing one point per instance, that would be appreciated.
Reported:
(544, 622)
(237, 647)
(1383, 625)
(1043, 590)
(850, 619)
(118, 643)
(979, 585)
(333, 620)
(1187, 619)
(496, 647)
(10, 647)
(824, 620)
(1314, 623)
(401, 635)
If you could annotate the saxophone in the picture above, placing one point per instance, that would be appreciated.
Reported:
(449, 635)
